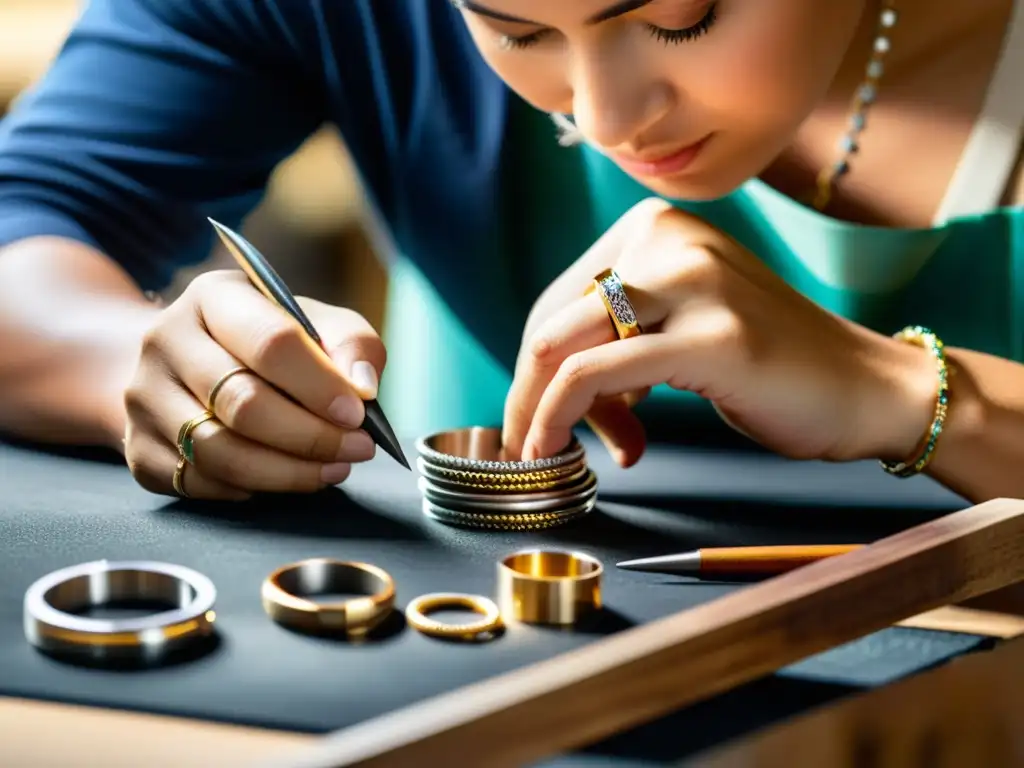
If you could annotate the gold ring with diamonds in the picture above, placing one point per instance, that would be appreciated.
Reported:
(616, 302)
(179, 475)
(186, 447)
(215, 389)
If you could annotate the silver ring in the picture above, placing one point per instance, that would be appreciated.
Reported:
(511, 503)
(51, 625)
(478, 449)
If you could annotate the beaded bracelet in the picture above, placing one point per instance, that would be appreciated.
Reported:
(923, 337)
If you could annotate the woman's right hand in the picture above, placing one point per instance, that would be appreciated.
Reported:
(288, 423)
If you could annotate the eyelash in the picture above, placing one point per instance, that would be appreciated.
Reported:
(667, 36)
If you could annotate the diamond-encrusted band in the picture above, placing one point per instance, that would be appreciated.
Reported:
(616, 302)
(923, 337)
(426, 447)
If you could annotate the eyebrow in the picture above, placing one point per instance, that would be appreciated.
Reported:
(618, 9)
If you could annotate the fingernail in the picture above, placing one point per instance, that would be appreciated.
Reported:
(364, 376)
(332, 474)
(357, 446)
(346, 410)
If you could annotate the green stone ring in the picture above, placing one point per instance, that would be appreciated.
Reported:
(186, 446)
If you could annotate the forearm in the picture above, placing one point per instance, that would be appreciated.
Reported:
(980, 453)
(71, 326)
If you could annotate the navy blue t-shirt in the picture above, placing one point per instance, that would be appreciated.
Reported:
(160, 113)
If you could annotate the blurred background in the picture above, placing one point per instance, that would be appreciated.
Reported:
(312, 224)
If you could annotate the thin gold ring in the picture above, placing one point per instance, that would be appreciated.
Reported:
(186, 446)
(616, 303)
(215, 389)
(179, 476)
(417, 610)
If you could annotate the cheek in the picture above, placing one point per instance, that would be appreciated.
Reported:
(769, 64)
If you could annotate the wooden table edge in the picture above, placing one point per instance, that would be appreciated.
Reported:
(127, 738)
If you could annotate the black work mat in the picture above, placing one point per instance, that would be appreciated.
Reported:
(59, 510)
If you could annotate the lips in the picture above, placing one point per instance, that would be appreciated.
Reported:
(664, 165)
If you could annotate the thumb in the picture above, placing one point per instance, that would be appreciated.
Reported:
(353, 344)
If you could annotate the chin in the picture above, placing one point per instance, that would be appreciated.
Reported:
(695, 187)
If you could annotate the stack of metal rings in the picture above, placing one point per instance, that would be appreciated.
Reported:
(466, 481)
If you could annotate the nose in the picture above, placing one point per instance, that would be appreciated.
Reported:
(614, 104)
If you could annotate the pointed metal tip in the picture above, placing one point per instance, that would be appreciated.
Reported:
(684, 562)
(629, 565)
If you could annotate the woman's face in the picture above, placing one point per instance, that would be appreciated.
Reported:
(690, 97)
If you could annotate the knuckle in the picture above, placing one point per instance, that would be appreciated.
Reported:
(322, 444)
(540, 349)
(238, 403)
(362, 345)
(273, 341)
(574, 372)
(145, 471)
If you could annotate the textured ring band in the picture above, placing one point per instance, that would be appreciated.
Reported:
(479, 449)
(186, 446)
(219, 384)
(417, 610)
(617, 304)
(179, 476)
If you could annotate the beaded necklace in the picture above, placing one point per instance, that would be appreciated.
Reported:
(863, 98)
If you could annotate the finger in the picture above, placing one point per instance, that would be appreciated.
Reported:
(153, 463)
(270, 342)
(223, 455)
(353, 344)
(619, 429)
(610, 369)
(252, 408)
(581, 325)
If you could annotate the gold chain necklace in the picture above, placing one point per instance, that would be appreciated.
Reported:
(863, 98)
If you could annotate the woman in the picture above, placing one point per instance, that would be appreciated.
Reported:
(781, 185)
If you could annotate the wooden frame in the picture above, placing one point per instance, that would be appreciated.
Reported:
(649, 671)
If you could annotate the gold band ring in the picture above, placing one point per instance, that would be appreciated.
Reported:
(179, 476)
(417, 610)
(218, 385)
(285, 595)
(186, 446)
(617, 304)
(538, 586)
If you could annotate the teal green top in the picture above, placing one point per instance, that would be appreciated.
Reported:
(964, 279)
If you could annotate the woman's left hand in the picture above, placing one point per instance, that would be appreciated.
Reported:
(790, 375)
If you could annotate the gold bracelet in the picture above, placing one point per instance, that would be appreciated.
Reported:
(923, 337)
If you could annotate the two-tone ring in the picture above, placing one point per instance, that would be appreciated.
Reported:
(616, 302)
(286, 595)
(54, 624)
